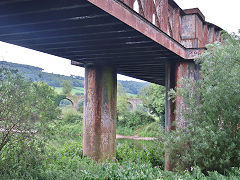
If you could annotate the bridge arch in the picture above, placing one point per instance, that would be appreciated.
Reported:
(74, 99)
(67, 100)
(133, 103)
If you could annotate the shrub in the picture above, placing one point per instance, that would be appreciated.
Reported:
(25, 113)
(134, 119)
(67, 128)
(153, 97)
(150, 130)
(26, 107)
(211, 140)
(144, 152)
(71, 116)
(23, 158)
(126, 131)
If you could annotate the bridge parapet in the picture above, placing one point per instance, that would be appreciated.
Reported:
(188, 27)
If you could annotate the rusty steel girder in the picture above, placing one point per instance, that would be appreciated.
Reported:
(187, 28)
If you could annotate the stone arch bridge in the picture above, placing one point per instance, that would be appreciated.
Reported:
(153, 40)
(76, 100)
(134, 103)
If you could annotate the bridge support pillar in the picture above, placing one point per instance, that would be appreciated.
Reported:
(99, 122)
(174, 119)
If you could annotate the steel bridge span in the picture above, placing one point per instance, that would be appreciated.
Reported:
(152, 40)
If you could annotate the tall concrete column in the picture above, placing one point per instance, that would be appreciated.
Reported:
(99, 122)
(174, 119)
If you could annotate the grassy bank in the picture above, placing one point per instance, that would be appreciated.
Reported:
(62, 158)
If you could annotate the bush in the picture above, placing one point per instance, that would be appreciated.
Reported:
(134, 119)
(153, 98)
(70, 116)
(23, 158)
(150, 130)
(211, 140)
(68, 128)
(126, 131)
(25, 113)
(142, 152)
(126, 152)
(133, 170)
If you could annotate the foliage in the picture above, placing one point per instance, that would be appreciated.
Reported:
(149, 130)
(59, 98)
(142, 152)
(134, 119)
(67, 162)
(27, 107)
(68, 128)
(122, 101)
(71, 117)
(79, 91)
(133, 170)
(23, 158)
(153, 98)
(211, 140)
(36, 74)
(126, 131)
(146, 130)
(128, 121)
(132, 87)
(66, 87)
(55, 80)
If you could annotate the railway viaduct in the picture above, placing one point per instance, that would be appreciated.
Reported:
(152, 40)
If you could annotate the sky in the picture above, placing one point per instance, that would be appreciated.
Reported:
(225, 14)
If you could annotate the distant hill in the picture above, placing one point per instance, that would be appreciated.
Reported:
(36, 74)
(133, 87)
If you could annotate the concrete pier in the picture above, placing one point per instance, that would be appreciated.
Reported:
(99, 123)
(174, 118)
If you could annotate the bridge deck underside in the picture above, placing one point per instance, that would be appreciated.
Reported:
(81, 32)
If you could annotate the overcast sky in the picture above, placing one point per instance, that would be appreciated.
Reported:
(225, 14)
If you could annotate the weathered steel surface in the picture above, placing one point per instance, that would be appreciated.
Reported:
(148, 9)
(169, 105)
(175, 73)
(184, 70)
(185, 26)
(162, 14)
(99, 124)
(194, 53)
(169, 108)
(109, 32)
(130, 17)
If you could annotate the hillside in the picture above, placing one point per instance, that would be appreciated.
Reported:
(36, 74)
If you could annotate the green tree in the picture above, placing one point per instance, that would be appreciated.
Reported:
(212, 138)
(66, 87)
(122, 101)
(25, 107)
(153, 98)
